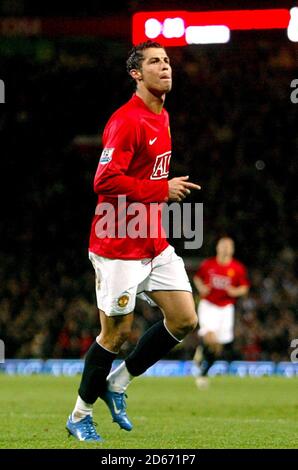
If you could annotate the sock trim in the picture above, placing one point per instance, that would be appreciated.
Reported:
(171, 334)
(106, 349)
(85, 403)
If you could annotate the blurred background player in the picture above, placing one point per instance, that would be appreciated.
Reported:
(220, 280)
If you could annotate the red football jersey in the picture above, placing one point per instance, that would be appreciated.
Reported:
(218, 277)
(134, 164)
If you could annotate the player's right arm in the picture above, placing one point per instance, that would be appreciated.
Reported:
(180, 187)
(203, 289)
(121, 139)
(201, 279)
(242, 282)
(121, 142)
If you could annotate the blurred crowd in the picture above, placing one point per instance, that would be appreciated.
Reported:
(57, 318)
(234, 131)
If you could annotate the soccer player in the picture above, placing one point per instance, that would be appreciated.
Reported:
(220, 281)
(132, 173)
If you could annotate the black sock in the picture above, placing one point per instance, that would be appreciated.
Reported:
(207, 360)
(98, 363)
(152, 346)
(228, 353)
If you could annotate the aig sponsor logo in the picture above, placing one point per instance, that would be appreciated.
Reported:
(220, 282)
(2, 92)
(161, 166)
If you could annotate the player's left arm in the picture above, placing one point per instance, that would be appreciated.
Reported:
(243, 283)
(238, 291)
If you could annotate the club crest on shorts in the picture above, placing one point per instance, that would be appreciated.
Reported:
(123, 300)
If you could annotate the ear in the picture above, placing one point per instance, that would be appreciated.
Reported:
(136, 75)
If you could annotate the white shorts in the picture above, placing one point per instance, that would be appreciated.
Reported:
(219, 320)
(118, 282)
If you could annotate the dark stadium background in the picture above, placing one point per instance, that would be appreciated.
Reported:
(234, 131)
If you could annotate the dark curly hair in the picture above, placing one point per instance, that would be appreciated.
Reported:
(135, 56)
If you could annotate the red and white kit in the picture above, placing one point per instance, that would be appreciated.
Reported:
(216, 310)
(134, 163)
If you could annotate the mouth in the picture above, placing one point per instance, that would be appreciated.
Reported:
(165, 77)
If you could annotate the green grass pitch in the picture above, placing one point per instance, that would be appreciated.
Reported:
(168, 413)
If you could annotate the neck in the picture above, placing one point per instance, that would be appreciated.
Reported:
(223, 259)
(153, 102)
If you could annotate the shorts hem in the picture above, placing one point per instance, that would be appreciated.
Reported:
(165, 290)
(112, 314)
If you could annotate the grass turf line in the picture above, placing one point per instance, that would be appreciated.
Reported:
(167, 413)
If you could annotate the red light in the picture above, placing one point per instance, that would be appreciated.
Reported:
(233, 19)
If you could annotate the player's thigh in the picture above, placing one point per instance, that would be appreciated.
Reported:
(167, 274)
(116, 284)
(115, 324)
(226, 333)
(169, 287)
(177, 306)
(210, 338)
(209, 316)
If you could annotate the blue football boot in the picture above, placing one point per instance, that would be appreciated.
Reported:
(117, 406)
(83, 430)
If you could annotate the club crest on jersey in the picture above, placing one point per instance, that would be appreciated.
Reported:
(161, 166)
(106, 155)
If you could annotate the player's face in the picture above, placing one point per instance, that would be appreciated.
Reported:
(156, 72)
(225, 247)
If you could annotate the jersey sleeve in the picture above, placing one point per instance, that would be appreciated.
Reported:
(242, 276)
(121, 141)
(201, 272)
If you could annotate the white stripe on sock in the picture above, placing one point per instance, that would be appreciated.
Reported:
(112, 352)
(178, 340)
(81, 410)
(119, 379)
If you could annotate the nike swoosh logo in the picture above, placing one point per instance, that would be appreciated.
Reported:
(115, 408)
(151, 141)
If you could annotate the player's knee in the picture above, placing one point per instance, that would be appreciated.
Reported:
(187, 324)
(115, 339)
(192, 322)
(122, 334)
(210, 339)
